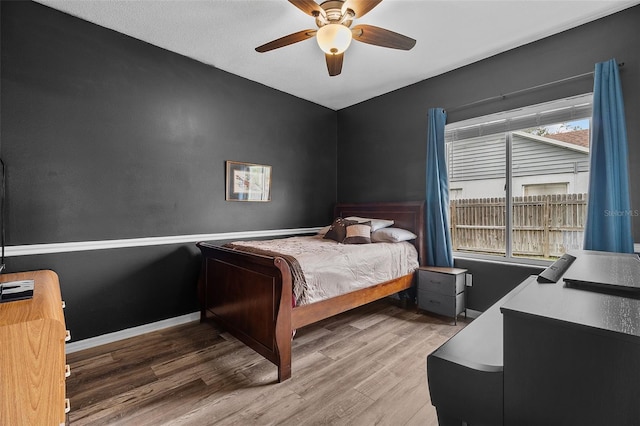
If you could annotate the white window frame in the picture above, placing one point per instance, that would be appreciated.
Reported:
(562, 110)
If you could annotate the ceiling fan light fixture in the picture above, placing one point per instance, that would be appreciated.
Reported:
(333, 38)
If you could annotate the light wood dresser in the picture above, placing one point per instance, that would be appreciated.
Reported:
(32, 354)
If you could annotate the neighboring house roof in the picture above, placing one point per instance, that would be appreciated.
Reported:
(576, 141)
(577, 137)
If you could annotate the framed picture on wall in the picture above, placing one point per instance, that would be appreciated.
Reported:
(248, 182)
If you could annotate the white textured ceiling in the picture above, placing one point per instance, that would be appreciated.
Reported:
(449, 34)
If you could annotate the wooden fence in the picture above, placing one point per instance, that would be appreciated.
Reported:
(544, 226)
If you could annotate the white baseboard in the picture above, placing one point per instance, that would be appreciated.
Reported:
(129, 332)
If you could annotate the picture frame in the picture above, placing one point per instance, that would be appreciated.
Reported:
(248, 182)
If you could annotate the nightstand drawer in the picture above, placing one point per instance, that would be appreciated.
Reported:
(437, 282)
(440, 304)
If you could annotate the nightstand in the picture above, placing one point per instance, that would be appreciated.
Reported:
(441, 290)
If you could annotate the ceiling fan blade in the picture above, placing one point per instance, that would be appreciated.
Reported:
(286, 40)
(360, 7)
(334, 63)
(309, 7)
(381, 37)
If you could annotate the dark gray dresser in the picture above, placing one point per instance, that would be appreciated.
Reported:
(572, 350)
(547, 354)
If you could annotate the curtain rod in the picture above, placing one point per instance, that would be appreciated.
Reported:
(521, 91)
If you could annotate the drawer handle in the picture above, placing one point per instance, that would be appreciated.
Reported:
(67, 370)
(434, 301)
(67, 336)
(67, 405)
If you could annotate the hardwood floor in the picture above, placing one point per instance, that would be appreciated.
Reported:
(366, 366)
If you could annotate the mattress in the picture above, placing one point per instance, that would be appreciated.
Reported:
(330, 269)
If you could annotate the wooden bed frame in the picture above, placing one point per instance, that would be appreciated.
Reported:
(250, 295)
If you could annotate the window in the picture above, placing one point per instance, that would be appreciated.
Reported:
(544, 188)
(520, 180)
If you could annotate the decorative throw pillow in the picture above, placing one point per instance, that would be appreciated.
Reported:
(392, 235)
(359, 233)
(337, 231)
(375, 223)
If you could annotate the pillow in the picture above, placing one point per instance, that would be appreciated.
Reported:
(392, 235)
(360, 233)
(337, 231)
(375, 223)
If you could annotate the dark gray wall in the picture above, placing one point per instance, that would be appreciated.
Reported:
(492, 280)
(382, 141)
(107, 137)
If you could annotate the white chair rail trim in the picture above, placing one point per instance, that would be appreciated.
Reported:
(34, 249)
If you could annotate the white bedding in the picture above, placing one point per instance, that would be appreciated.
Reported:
(331, 269)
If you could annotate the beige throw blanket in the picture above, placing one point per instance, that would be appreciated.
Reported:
(297, 276)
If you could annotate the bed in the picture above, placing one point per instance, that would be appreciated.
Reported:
(251, 294)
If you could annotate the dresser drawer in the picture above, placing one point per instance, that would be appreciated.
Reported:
(447, 284)
(438, 303)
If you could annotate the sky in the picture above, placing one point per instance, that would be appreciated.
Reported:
(568, 126)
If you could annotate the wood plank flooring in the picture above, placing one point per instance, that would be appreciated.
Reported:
(364, 367)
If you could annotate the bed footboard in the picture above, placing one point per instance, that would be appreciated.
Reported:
(250, 296)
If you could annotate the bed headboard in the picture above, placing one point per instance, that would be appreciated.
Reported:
(408, 215)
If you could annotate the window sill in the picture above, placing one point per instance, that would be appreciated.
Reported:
(503, 260)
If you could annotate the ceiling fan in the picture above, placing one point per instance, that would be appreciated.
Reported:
(334, 33)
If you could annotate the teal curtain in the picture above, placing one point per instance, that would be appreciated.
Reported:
(608, 226)
(438, 237)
